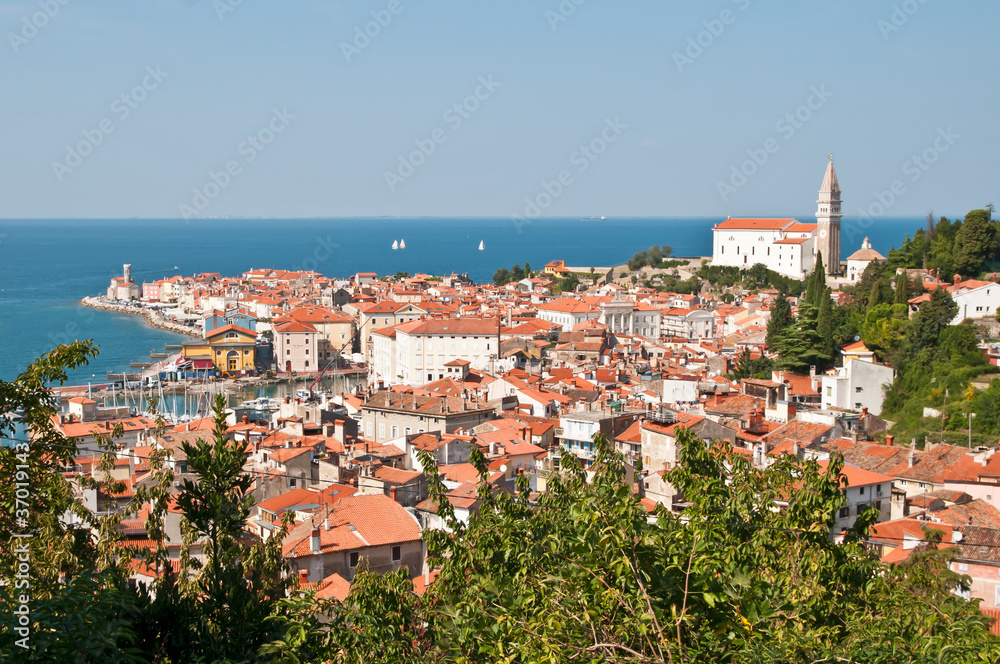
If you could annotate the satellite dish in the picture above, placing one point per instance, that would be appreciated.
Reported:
(857, 338)
(503, 468)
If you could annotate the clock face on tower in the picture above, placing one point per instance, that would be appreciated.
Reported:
(822, 234)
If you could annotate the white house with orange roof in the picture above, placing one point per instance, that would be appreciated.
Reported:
(863, 489)
(566, 312)
(975, 298)
(296, 347)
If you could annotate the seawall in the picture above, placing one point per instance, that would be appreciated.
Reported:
(153, 317)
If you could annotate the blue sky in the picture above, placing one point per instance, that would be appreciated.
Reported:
(672, 120)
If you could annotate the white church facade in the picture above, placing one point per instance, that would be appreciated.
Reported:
(785, 245)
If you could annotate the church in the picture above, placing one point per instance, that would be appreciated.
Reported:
(787, 246)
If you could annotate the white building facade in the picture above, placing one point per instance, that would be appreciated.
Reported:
(784, 245)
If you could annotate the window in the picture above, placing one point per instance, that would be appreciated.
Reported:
(397, 554)
(291, 483)
(858, 390)
(829, 391)
(381, 430)
(353, 559)
(307, 351)
(861, 491)
(288, 352)
(845, 511)
(395, 432)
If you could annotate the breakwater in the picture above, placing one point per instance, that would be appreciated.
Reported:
(153, 317)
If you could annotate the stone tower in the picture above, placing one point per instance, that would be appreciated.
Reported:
(127, 272)
(828, 220)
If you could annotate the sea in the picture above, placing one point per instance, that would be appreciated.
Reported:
(46, 266)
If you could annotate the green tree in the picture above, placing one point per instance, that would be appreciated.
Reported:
(501, 276)
(875, 296)
(824, 325)
(975, 243)
(930, 320)
(902, 289)
(817, 282)
(884, 330)
(781, 318)
(242, 580)
(585, 573)
(800, 346)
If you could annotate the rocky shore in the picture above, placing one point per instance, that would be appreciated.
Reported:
(153, 318)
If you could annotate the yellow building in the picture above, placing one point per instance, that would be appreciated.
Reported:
(230, 349)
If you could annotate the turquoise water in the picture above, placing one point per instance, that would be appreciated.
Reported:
(47, 265)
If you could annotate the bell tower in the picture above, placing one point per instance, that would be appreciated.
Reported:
(828, 220)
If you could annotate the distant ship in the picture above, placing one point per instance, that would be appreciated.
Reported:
(395, 245)
(481, 245)
(593, 218)
(402, 244)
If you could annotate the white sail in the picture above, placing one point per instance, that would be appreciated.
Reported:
(481, 245)
(395, 244)
(402, 244)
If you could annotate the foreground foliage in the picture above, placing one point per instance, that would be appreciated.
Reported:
(587, 575)
(581, 573)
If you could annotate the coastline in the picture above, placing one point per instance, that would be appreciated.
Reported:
(153, 318)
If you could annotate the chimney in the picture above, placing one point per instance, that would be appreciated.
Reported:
(392, 494)
(889, 438)
(957, 279)
(795, 448)
(338, 431)
(246, 419)
(911, 458)
(864, 411)
(314, 541)
(288, 399)
(303, 577)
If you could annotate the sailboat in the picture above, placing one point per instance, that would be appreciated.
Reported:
(482, 246)
(402, 244)
(395, 245)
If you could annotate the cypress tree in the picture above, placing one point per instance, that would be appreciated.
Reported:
(875, 297)
(816, 283)
(824, 324)
(901, 288)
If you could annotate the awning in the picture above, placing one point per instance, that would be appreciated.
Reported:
(201, 364)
